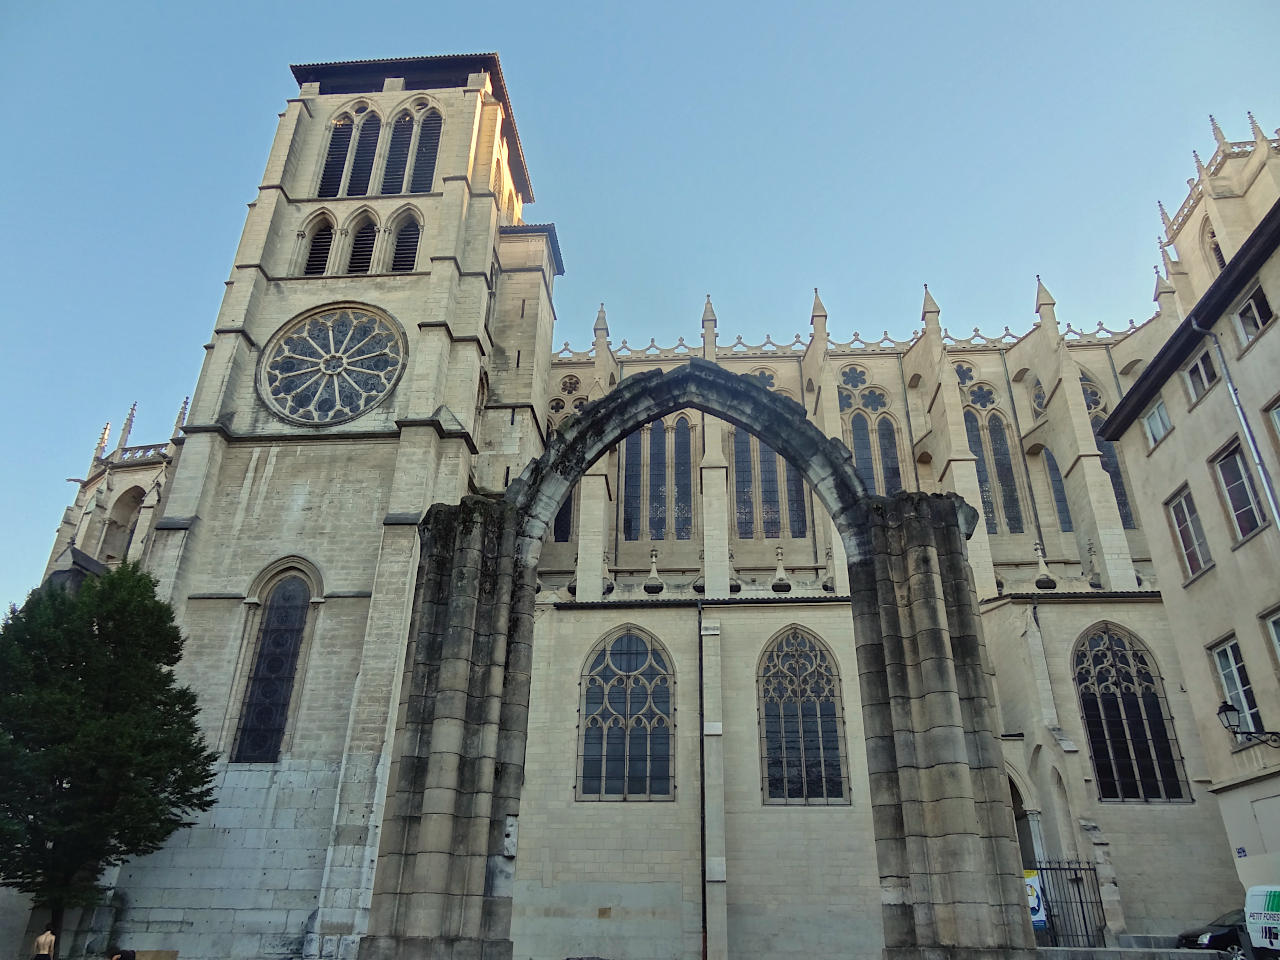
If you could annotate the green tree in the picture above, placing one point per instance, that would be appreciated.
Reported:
(101, 758)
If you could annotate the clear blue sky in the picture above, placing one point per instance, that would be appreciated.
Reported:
(751, 151)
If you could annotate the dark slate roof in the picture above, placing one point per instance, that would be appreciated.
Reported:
(423, 73)
(1239, 272)
(547, 228)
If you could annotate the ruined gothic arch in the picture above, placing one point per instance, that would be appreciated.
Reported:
(925, 679)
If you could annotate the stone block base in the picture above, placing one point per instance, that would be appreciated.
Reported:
(433, 948)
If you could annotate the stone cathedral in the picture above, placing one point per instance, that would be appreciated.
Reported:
(813, 648)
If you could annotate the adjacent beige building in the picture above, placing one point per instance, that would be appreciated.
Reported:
(1200, 430)
(696, 777)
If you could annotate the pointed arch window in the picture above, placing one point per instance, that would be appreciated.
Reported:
(683, 480)
(973, 431)
(1126, 718)
(397, 155)
(889, 468)
(1003, 458)
(562, 526)
(405, 255)
(802, 753)
(657, 481)
(770, 508)
(795, 501)
(626, 743)
(632, 495)
(1059, 491)
(424, 155)
(744, 505)
(362, 248)
(318, 250)
(270, 689)
(335, 161)
(362, 162)
(863, 458)
(1111, 464)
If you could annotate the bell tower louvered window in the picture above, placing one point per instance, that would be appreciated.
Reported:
(397, 155)
(405, 256)
(424, 156)
(335, 162)
(318, 251)
(270, 689)
(1126, 718)
(626, 728)
(362, 163)
(362, 248)
(801, 722)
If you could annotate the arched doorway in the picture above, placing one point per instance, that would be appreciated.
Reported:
(938, 791)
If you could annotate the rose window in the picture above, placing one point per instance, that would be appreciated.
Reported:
(874, 400)
(570, 385)
(332, 367)
(854, 376)
(982, 396)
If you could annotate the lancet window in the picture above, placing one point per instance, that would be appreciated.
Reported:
(280, 634)
(1111, 464)
(657, 481)
(801, 722)
(765, 486)
(875, 448)
(1126, 718)
(562, 526)
(412, 148)
(405, 255)
(626, 742)
(973, 431)
(992, 449)
(348, 162)
(361, 258)
(1059, 491)
(319, 244)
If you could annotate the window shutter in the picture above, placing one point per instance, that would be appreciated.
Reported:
(362, 249)
(405, 257)
(336, 161)
(397, 155)
(318, 254)
(424, 158)
(362, 165)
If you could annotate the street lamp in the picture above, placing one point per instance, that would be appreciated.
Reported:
(1229, 716)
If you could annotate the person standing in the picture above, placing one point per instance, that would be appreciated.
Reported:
(45, 942)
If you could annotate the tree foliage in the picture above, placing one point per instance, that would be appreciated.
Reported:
(101, 757)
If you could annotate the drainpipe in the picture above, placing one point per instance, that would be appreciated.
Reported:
(702, 785)
(1267, 487)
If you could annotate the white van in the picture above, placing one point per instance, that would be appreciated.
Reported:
(1262, 918)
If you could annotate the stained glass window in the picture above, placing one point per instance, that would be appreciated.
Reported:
(964, 373)
(862, 456)
(982, 396)
(744, 508)
(1111, 464)
(1038, 400)
(795, 501)
(974, 432)
(562, 528)
(770, 508)
(801, 721)
(846, 399)
(633, 454)
(889, 468)
(657, 481)
(628, 709)
(1135, 752)
(332, 366)
(853, 377)
(266, 700)
(683, 480)
(874, 400)
(1059, 492)
(1004, 473)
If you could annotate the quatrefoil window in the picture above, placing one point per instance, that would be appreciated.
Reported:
(982, 396)
(853, 377)
(964, 373)
(846, 400)
(557, 405)
(332, 366)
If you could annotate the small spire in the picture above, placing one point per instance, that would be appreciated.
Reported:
(1258, 135)
(128, 426)
(101, 448)
(1043, 297)
(818, 309)
(602, 325)
(182, 416)
(1164, 216)
(1199, 164)
(929, 311)
(1164, 255)
(1217, 131)
(708, 312)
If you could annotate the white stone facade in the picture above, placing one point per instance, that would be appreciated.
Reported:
(284, 864)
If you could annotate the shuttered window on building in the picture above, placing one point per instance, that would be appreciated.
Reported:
(318, 252)
(424, 157)
(405, 256)
(397, 155)
(362, 249)
(335, 161)
(362, 164)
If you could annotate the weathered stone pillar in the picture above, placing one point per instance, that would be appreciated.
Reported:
(950, 873)
(435, 878)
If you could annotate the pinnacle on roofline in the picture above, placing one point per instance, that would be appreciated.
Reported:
(708, 311)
